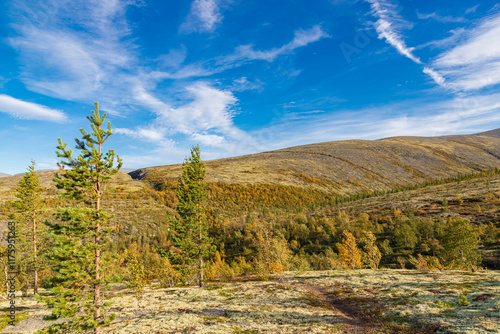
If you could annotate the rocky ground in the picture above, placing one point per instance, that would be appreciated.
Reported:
(360, 301)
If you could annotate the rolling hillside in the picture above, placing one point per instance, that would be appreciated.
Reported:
(300, 190)
(351, 166)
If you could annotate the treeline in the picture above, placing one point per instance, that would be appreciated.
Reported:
(230, 198)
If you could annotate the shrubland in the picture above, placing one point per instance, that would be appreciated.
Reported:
(409, 229)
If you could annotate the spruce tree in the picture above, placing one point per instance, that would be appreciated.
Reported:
(460, 244)
(190, 227)
(82, 231)
(28, 209)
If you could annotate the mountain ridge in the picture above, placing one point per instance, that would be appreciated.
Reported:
(351, 166)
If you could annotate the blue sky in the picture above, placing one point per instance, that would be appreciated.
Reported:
(242, 76)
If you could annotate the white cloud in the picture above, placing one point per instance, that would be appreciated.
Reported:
(154, 135)
(480, 46)
(388, 25)
(438, 78)
(242, 55)
(242, 84)
(3, 81)
(301, 38)
(474, 63)
(208, 116)
(28, 110)
(209, 109)
(74, 51)
(385, 31)
(173, 59)
(203, 17)
(447, 42)
(471, 9)
(209, 140)
(440, 18)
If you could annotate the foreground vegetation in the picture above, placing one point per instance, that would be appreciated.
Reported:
(361, 301)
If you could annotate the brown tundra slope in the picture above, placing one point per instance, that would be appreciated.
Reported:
(342, 167)
(352, 166)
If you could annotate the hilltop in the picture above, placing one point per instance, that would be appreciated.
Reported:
(351, 166)
(341, 167)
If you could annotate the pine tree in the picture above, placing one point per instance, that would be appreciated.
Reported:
(190, 227)
(82, 231)
(28, 209)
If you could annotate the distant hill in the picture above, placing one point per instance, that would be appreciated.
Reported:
(492, 133)
(351, 166)
(341, 167)
(4, 175)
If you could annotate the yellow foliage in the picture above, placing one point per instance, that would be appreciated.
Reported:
(422, 263)
(397, 213)
(167, 275)
(349, 252)
(219, 269)
(138, 275)
(273, 254)
(240, 266)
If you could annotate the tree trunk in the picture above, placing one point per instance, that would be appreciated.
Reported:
(201, 272)
(201, 255)
(97, 287)
(35, 263)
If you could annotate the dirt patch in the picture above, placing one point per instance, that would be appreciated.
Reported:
(356, 319)
(31, 325)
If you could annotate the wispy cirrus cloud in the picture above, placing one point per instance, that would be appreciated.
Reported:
(445, 43)
(440, 18)
(242, 54)
(475, 62)
(143, 133)
(301, 38)
(471, 9)
(389, 26)
(73, 50)
(29, 110)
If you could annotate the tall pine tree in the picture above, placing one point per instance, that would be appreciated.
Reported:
(190, 227)
(82, 231)
(28, 210)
